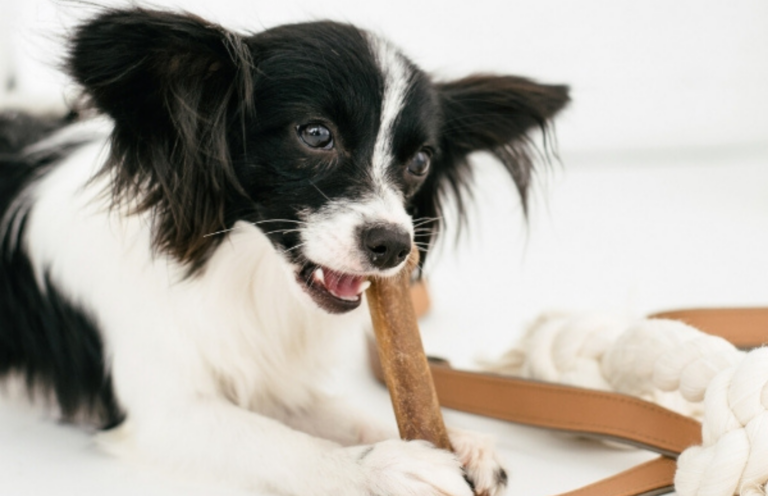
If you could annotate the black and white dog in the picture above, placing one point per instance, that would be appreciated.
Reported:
(178, 268)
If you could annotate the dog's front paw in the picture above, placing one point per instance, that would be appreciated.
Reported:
(414, 468)
(477, 455)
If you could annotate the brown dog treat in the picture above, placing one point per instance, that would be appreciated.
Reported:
(420, 298)
(403, 362)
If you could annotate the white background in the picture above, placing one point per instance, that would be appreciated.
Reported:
(660, 198)
(652, 74)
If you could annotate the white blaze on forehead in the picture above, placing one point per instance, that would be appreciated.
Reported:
(331, 236)
(397, 78)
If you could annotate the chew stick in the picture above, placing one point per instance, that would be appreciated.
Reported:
(403, 362)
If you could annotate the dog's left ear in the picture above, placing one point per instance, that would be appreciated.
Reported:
(485, 113)
(173, 84)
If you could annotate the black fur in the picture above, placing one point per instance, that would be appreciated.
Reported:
(206, 134)
(175, 86)
(485, 113)
(206, 124)
(317, 72)
(44, 339)
(18, 130)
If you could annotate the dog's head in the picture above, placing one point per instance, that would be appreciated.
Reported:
(324, 136)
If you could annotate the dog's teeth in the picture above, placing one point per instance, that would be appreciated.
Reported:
(365, 285)
(346, 298)
(319, 276)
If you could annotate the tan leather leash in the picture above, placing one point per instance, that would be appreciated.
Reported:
(744, 327)
(599, 414)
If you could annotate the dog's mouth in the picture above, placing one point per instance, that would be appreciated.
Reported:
(333, 291)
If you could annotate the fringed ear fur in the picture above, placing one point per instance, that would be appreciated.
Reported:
(171, 82)
(485, 113)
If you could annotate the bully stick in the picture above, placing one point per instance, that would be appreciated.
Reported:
(403, 362)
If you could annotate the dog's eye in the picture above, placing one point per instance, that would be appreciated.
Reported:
(316, 136)
(419, 164)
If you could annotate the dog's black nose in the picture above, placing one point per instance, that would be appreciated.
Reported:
(386, 245)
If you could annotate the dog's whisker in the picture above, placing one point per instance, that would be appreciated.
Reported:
(223, 231)
(283, 231)
(321, 191)
(425, 220)
(294, 248)
(278, 220)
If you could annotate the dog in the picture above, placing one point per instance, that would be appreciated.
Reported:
(177, 267)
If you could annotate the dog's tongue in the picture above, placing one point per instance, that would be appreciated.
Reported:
(344, 286)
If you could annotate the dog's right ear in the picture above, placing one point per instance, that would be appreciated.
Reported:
(172, 83)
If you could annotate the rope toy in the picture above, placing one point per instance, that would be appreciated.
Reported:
(675, 366)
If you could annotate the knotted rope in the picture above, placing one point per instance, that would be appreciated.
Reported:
(671, 364)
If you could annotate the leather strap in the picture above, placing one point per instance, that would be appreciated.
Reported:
(647, 479)
(585, 412)
(745, 327)
(599, 414)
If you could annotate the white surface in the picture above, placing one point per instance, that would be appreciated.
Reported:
(622, 235)
(651, 74)
(638, 237)
(661, 200)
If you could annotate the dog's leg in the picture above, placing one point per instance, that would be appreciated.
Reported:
(336, 420)
(176, 419)
(214, 437)
(333, 419)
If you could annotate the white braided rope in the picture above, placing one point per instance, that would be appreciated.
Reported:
(733, 458)
(564, 349)
(676, 366)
